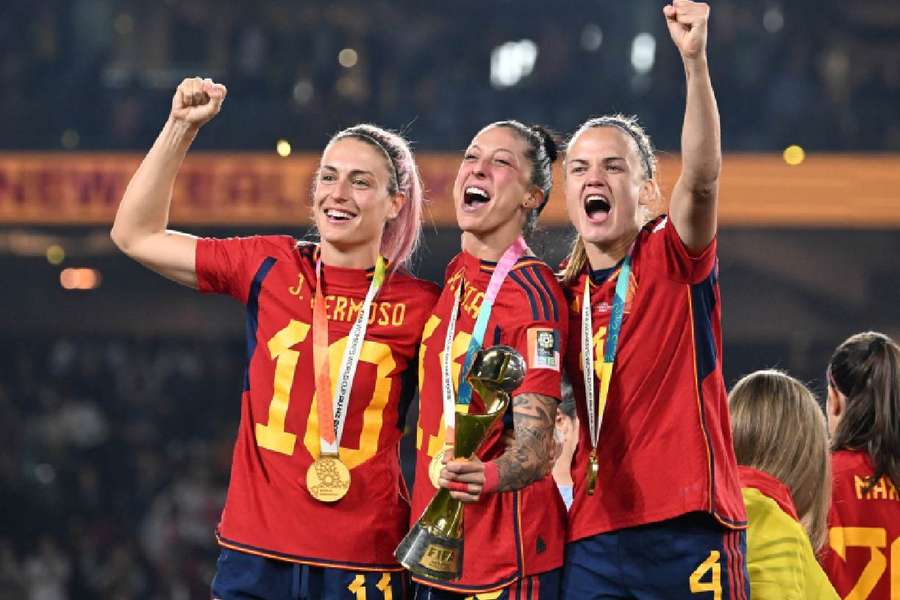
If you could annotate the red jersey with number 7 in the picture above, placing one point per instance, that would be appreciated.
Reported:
(507, 535)
(862, 556)
(268, 510)
(665, 446)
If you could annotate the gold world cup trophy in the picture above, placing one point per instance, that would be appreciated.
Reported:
(433, 548)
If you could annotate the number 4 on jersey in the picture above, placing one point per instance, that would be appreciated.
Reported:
(712, 566)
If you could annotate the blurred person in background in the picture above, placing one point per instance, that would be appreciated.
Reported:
(781, 444)
(497, 292)
(862, 557)
(12, 578)
(48, 571)
(656, 491)
(566, 436)
(316, 503)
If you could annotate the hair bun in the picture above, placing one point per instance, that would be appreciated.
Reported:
(549, 140)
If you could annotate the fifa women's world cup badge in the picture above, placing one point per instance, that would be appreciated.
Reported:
(433, 548)
(543, 348)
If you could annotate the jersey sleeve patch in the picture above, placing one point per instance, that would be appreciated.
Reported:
(543, 348)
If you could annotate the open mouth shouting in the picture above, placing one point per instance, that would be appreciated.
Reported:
(474, 198)
(596, 207)
(338, 215)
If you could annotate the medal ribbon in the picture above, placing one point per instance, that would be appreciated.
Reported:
(332, 409)
(462, 401)
(595, 409)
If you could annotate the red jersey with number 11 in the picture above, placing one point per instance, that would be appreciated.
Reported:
(269, 510)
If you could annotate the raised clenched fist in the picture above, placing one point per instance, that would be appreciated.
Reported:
(687, 23)
(196, 101)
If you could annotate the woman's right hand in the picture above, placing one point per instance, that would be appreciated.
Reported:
(141, 229)
(196, 101)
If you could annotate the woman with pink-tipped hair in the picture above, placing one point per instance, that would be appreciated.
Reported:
(316, 503)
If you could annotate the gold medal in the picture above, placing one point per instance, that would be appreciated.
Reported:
(593, 469)
(328, 479)
(437, 464)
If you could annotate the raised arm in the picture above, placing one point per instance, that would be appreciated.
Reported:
(694, 204)
(140, 229)
(528, 457)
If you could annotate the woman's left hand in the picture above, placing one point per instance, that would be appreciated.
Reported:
(687, 22)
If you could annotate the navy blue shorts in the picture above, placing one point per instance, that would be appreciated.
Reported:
(544, 586)
(691, 557)
(242, 576)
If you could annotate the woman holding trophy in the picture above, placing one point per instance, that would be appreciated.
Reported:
(495, 292)
(316, 503)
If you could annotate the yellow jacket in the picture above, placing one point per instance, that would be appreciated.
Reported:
(780, 558)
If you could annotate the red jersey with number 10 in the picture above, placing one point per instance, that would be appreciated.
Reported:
(862, 556)
(665, 444)
(507, 535)
(269, 510)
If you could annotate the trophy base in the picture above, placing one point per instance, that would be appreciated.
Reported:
(428, 555)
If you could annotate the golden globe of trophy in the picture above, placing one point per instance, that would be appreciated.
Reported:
(433, 548)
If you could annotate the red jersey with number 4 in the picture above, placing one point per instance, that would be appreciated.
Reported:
(665, 444)
(507, 535)
(269, 510)
(862, 556)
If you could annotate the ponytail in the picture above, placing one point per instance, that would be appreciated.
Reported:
(865, 369)
(575, 263)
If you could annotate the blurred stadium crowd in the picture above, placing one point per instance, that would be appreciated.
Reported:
(113, 471)
(98, 74)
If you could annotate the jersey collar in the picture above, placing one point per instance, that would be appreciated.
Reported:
(770, 487)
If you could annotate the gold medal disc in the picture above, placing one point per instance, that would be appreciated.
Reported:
(328, 479)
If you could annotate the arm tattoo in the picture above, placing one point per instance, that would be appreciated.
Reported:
(531, 455)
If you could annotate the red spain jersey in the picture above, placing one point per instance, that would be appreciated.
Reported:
(665, 444)
(507, 535)
(862, 556)
(269, 510)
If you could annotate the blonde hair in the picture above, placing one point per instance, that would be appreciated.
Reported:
(779, 428)
(630, 126)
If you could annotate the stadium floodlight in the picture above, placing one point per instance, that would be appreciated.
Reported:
(511, 62)
(643, 53)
